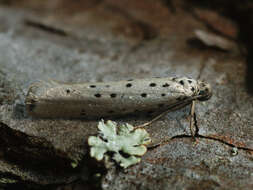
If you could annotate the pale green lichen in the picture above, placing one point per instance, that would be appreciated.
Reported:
(118, 139)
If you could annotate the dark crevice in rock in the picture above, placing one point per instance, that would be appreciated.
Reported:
(210, 138)
(32, 152)
(197, 135)
(6, 175)
(224, 142)
(9, 181)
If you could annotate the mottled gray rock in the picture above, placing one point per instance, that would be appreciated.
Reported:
(156, 46)
(178, 165)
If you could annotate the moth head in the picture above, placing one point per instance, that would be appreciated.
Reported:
(205, 91)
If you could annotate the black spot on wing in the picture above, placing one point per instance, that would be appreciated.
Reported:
(166, 85)
(113, 95)
(181, 82)
(128, 85)
(97, 95)
(152, 84)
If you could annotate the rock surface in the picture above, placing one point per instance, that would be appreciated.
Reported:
(112, 40)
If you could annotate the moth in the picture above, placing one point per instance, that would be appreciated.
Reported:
(50, 99)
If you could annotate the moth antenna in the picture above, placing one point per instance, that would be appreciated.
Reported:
(203, 65)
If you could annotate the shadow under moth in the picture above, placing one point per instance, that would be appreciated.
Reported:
(50, 99)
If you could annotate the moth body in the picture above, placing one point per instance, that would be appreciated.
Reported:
(105, 99)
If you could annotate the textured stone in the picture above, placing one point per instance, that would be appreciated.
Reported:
(115, 40)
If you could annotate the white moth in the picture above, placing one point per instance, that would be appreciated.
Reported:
(105, 99)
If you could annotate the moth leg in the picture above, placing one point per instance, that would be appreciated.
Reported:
(153, 120)
(192, 118)
(173, 108)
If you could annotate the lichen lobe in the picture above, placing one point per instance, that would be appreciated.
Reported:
(126, 143)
